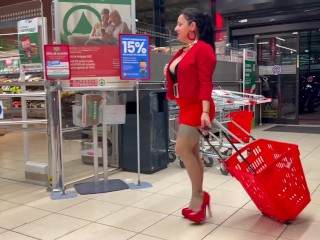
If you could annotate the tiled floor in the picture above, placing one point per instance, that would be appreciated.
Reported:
(27, 211)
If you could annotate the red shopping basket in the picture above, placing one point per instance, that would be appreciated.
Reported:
(273, 177)
(244, 120)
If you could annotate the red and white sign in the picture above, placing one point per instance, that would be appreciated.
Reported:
(57, 62)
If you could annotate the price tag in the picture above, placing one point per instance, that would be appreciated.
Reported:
(134, 57)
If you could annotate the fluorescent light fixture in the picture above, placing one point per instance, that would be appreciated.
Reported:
(281, 39)
(286, 48)
(245, 44)
(306, 50)
(243, 20)
(263, 43)
(295, 33)
(8, 34)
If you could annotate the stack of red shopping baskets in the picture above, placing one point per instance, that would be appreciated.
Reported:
(272, 174)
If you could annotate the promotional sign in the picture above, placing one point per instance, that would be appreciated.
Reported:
(1, 110)
(29, 45)
(91, 109)
(57, 62)
(92, 29)
(249, 71)
(134, 57)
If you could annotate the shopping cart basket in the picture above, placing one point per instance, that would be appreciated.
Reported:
(240, 125)
(272, 175)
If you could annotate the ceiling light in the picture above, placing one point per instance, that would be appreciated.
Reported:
(244, 44)
(243, 21)
(281, 39)
(286, 48)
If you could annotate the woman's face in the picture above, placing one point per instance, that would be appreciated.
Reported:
(105, 18)
(183, 28)
(115, 19)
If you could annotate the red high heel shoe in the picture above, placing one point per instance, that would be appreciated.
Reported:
(201, 215)
(186, 211)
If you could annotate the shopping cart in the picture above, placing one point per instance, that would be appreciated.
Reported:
(272, 174)
(228, 111)
(233, 121)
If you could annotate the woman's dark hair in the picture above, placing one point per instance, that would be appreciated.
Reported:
(203, 22)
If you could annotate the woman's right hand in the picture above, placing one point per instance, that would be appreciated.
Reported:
(165, 69)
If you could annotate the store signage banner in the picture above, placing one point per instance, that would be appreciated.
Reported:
(57, 62)
(29, 45)
(249, 71)
(1, 110)
(92, 29)
(91, 109)
(134, 57)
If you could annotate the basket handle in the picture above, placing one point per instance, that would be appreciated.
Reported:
(240, 154)
(206, 138)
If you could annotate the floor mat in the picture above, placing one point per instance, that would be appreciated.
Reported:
(294, 129)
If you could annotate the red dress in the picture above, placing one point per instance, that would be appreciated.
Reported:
(191, 111)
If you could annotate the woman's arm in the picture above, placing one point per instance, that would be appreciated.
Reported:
(206, 62)
(94, 30)
(205, 106)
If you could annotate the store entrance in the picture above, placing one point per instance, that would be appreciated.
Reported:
(278, 73)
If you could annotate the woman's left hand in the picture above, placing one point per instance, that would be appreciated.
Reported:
(205, 121)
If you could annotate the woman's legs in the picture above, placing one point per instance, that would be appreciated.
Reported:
(196, 153)
(187, 147)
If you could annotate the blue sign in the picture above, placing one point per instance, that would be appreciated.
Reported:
(134, 57)
(1, 110)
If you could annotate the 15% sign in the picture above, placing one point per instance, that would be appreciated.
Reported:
(134, 47)
(134, 57)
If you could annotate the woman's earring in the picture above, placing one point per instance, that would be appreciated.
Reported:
(191, 35)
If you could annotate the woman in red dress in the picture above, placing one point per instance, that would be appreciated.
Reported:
(189, 77)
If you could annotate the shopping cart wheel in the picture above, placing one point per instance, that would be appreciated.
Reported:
(172, 157)
(223, 170)
(208, 162)
(181, 163)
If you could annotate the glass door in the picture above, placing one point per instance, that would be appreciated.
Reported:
(277, 70)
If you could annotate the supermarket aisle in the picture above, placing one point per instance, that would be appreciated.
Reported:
(28, 213)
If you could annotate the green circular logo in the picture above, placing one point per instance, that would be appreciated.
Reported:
(102, 82)
(83, 24)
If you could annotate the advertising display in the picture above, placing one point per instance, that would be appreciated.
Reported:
(249, 71)
(91, 109)
(29, 45)
(92, 29)
(57, 62)
(1, 110)
(134, 57)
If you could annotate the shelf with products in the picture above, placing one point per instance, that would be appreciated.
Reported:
(13, 82)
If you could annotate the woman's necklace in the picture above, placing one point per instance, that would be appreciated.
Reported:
(190, 45)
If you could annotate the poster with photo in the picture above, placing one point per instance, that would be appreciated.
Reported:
(29, 45)
(92, 28)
